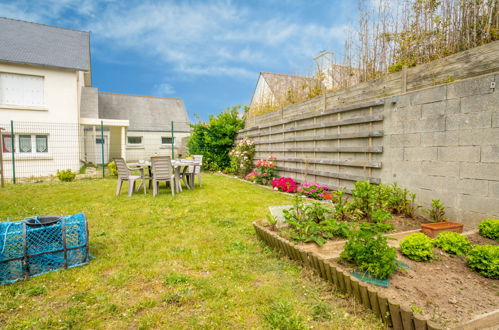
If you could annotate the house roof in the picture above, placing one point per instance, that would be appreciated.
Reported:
(37, 44)
(145, 113)
(279, 83)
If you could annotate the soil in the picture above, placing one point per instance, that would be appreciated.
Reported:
(477, 239)
(445, 290)
(404, 224)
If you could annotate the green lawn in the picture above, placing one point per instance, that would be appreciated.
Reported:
(191, 261)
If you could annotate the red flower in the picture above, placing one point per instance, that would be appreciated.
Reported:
(328, 197)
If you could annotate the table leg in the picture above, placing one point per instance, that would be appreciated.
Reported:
(177, 179)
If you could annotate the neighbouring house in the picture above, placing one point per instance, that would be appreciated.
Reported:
(59, 121)
(335, 76)
(151, 123)
(274, 90)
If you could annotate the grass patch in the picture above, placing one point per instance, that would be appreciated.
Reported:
(191, 261)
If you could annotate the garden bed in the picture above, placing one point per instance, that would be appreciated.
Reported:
(443, 293)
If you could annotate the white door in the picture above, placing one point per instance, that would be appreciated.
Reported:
(98, 149)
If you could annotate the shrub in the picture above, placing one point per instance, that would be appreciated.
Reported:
(314, 190)
(112, 168)
(264, 171)
(417, 247)
(215, 138)
(454, 243)
(489, 228)
(369, 250)
(437, 211)
(241, 157)
(484, 259)
(285, 184)
(66, 175)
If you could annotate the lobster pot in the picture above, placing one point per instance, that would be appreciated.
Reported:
(36, 246)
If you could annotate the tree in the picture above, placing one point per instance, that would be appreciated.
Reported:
(215, 138)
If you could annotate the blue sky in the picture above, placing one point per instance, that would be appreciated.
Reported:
(208, 53)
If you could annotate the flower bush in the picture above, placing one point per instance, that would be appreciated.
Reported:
(314, 190)
(285, 184)
(241, 157)
(264, 171)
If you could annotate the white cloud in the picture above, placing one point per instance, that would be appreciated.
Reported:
(215, 38)
(164, 89)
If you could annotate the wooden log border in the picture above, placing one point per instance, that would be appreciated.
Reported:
(392, 314)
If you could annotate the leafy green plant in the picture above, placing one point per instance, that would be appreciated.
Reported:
(489, 228)
(113, 170)
(340, 202)
(369, 250)
(313, 223)
(272, 222)
(214, 139)
(484, 259)
(437, 211)
(66, 175)
(417, 246)
(454, 243)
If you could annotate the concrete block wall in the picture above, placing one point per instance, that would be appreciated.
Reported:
(443, 143)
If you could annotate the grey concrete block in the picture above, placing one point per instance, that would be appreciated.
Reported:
(469, 87)
(433, 94)
(435, 109)
(469, 121)
(485, 171)
(420, 153)
(494, 189)
(490, 154)
(480, 103)
(483, 137)
(406, 113)
(479, 204)
(473, 187)
(424, 125)
(459, 153)
(405, 140)
(495, 119)
(452, 106)
(448, 169)
(470, 219)
(447, 138)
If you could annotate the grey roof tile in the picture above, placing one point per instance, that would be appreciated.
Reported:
(37, 44)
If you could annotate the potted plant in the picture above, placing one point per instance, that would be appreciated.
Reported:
(439, 222)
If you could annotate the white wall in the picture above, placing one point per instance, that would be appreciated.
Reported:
(151, 144)
(58, 118)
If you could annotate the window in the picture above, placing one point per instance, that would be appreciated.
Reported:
(26, 143)
(18, 89)
(42, 143)
(7, 143)
(135, 140)
(166, 140)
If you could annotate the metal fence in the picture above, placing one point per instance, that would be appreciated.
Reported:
(36, 151)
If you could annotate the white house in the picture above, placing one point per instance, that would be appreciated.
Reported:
(47, 101)
(274, 90)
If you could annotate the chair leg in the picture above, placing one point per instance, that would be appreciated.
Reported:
(199, 179)
(172, 186)
(131, 187)
(118, 187)
(144, 183)
(154, 188)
